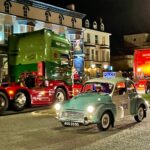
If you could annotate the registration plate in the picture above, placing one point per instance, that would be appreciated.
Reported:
(75, 124)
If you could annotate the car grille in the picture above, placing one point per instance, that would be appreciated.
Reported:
(72, 115)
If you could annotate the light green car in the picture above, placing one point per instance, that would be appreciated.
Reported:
(102, 101)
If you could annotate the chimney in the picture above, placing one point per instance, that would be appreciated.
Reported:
(71, 7)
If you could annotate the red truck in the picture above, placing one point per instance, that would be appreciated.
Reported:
(40, 70)
(141, 70)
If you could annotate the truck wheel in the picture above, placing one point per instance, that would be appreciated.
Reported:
(60, 95)
(3, 102)
(20, 101)
(105, 122)
(140, 114)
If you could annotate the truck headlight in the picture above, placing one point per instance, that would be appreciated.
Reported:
(90, 109)
(57, 106)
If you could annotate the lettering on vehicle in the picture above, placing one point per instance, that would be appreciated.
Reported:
(75, 124)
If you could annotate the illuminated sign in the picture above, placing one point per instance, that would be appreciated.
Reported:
(109, 74)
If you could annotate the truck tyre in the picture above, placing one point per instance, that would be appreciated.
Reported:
(3, 102)
(19, 101)
(140, 114)
(105, 121)
(60, 95)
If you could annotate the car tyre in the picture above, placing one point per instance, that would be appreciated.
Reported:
(105, 121)
(3, 102)
(20, 101)
(60, 95)
(140, 114)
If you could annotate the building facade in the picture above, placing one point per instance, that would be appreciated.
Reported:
(96, 48)
(19, 16)
(126, 53)
(141, 40)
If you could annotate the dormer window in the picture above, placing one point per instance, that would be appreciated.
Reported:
(94, 25)
(87, 23)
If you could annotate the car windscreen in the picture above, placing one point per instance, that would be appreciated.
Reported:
(98, 87)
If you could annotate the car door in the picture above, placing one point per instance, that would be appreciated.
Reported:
(132, 95)
(121, 100)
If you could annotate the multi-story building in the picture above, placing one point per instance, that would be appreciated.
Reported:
(96, 48)
(141, 40)
(124, 55)
(18, 16)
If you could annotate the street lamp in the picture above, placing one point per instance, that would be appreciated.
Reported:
(105, 67)
(93, 66)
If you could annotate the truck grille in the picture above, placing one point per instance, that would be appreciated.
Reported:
(72, 115)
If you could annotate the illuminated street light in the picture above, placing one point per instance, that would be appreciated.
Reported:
(93, 66)
(105, 66)
(138, 69)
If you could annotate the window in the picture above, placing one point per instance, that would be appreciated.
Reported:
(96, 39)
(7, 31)
(120, 89)
(92, 54)
(103, 40)
(108, 57)
(87, 24)
(88, 38)
(30, 28)
(103, 55)
(22, 28)
(1, 28)
(87, 54)
(96, 55)
(64, 59)
(130, 87)
(94, 25)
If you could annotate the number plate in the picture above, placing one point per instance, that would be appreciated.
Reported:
(75, 124)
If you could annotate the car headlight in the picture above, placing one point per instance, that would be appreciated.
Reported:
(90, 109)
(57, 106)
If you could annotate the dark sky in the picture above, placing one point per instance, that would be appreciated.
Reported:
(119, 16)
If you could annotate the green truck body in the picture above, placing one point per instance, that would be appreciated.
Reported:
(27, 49)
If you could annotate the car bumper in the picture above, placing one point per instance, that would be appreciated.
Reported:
(81, 120)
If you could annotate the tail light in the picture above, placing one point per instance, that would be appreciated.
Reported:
(141, 85)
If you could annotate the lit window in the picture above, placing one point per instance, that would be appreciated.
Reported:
(94, 25)
(88, 38)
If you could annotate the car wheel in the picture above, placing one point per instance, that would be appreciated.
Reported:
(105, 122)
(20, 101)
(60, 95)
(3, 102)
(140, 114)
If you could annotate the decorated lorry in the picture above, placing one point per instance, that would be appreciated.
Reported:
(40, 70)
(141, 70)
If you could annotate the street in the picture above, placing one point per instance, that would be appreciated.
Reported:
(39, 130)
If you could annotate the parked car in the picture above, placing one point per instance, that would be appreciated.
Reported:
(102, 101)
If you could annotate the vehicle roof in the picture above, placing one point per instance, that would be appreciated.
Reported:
(107, 80)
